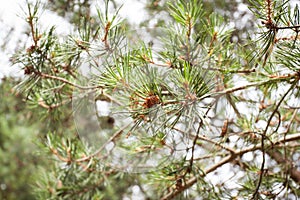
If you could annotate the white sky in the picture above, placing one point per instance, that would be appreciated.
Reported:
(8, 20)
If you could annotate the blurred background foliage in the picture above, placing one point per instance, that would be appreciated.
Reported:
(19, 152)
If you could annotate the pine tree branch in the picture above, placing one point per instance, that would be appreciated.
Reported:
(189, 183)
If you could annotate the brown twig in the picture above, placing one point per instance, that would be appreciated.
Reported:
(241, 71)
(43, 104)
(279, 158)
(107, 28)
(263, 136)
(269, 10)
(43, 75)
(256, 84)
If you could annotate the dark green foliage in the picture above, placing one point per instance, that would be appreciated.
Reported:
(19, 158)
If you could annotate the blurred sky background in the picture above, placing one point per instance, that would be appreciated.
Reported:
(10, 25)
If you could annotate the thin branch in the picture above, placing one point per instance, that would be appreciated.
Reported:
(196, 138)
(256, 84)
(288, 138)
(263, 136)
(30, 22)
(287, 27)
(241, 71)
(43, 104)
(107, 28)
(43, 75)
